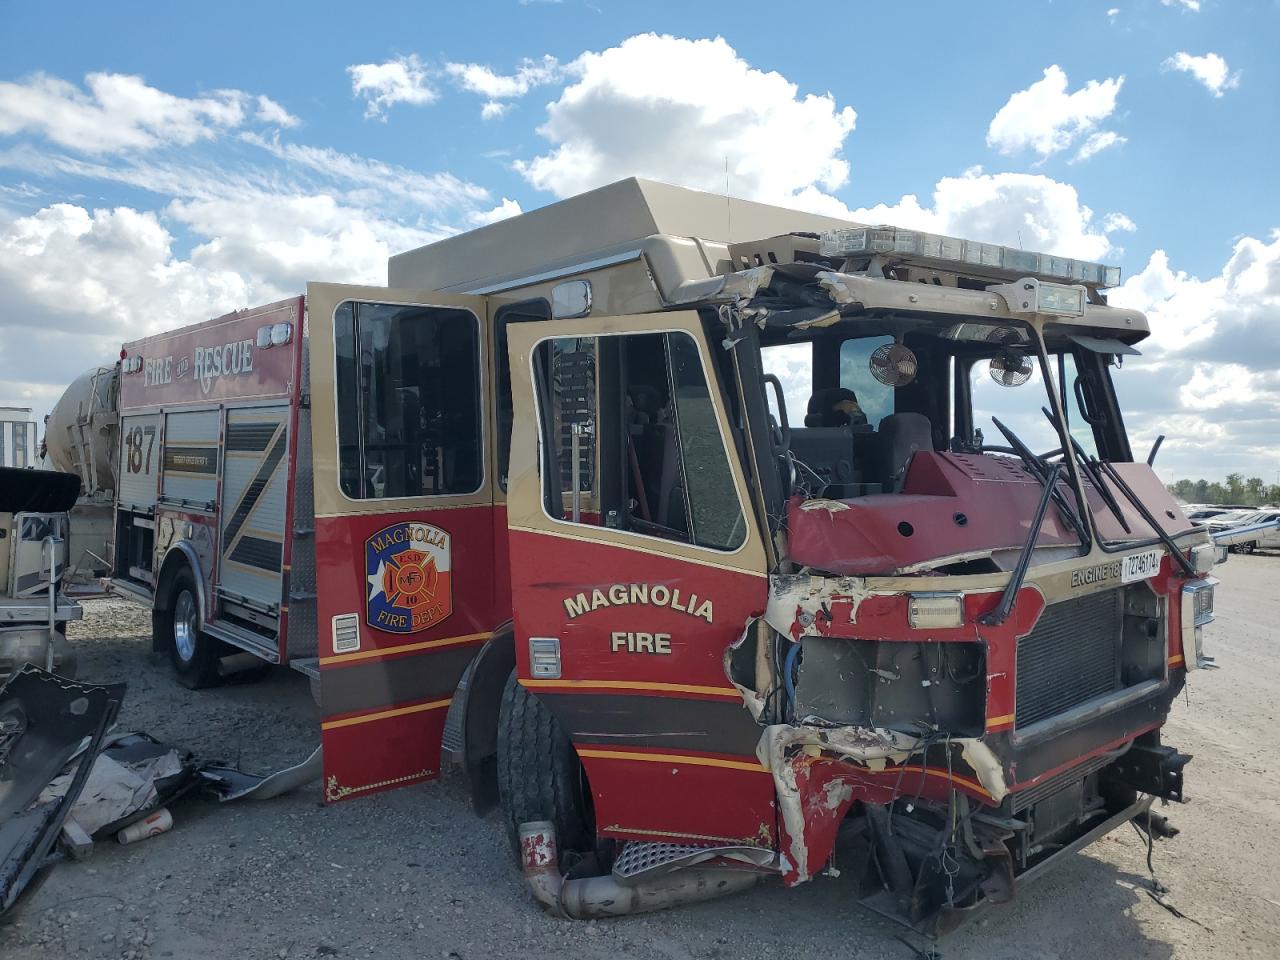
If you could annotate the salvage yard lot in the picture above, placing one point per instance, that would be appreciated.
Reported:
(414, 873)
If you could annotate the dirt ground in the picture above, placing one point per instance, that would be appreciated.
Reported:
(414, 873)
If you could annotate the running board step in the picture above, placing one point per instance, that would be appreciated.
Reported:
(307, 665)
(641, 860)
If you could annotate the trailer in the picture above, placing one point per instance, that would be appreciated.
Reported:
(542, 508)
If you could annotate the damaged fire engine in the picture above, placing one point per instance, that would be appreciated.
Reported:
(541, 508)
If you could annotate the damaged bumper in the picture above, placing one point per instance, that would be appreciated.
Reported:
(901, 740)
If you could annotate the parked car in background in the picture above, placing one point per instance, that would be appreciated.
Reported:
(1198, 517)
(1266, 538)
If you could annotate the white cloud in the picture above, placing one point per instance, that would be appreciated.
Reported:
(681, 110)
(507, 208)
(1192, 5)
(1047, 119)
(1118, 221)
(273, 113)
(399, 80)
(1024, 210)
(1209, 375)
(496, 87)
(77, 282)
(247, 224)
(122, 113)
(1096, 143)
(1113, 13)
(1210, 70)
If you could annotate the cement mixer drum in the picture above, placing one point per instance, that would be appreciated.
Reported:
(80, 434)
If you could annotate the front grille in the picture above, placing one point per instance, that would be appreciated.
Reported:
(1072, 656)
(1029, 797)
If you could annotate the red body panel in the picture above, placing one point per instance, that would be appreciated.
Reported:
(215, 360)
(651, 774)
(383, 706)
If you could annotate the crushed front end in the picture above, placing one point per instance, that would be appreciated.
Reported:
(970, 648)
(968, 755)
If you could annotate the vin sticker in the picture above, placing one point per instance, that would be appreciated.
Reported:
(1140, 566)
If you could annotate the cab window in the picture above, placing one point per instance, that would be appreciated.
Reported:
(631, 441)
(408, 384)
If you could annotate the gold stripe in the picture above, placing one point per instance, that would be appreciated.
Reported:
(1177, 661)
(407, 648)
(730, 841)
(654, 551)
(996, 721)
(385, 714)
(425, 504)
(674, 758)
(631, 685)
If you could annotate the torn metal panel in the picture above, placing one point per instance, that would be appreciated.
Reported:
(232, 784)
(44, 719)
(819, 772)
(734, 287)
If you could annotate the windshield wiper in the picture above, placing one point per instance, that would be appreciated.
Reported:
(1040, 470)
(1092, 468)
(1103, 467)
(1174, 550)
(1001, 613)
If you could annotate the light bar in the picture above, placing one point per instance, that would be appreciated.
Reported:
(951, 250)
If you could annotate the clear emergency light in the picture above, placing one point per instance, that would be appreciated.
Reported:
(952, 250)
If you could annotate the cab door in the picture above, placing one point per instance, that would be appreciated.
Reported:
(400, 412)
(635, 564)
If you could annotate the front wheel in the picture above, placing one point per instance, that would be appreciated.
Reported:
(539, 774)
(192, 653)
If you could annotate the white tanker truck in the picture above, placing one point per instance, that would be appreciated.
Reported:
(80, 437)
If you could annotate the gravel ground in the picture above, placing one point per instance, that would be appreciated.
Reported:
(414, 873)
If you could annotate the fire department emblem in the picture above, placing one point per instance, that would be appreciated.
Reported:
(408, 570)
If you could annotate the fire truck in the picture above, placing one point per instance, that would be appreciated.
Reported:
(681, 523)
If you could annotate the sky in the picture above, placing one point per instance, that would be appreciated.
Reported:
(163, 163)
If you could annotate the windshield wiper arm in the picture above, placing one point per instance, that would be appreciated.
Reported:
(1174, 550)
(1040, 470)
(1095, 474)
(1001, 613)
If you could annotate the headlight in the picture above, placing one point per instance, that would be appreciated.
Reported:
(1205, 555)
(933, 611)
(1197, 613)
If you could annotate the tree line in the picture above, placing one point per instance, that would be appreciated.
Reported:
(1251, 493)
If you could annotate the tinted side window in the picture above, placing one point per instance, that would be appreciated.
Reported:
(637, 411)
(408, 383)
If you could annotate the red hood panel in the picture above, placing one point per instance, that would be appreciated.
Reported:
(953, 504)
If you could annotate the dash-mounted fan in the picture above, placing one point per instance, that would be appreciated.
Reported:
(893, 364)
(1011, 368)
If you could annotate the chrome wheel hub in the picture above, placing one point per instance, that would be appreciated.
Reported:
(185, 625)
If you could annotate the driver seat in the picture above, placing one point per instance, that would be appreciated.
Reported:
(901, 435)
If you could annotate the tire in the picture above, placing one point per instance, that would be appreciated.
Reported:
(1248, 547)
(193, 654)
(539, 774)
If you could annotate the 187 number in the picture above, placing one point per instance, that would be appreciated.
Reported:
(135, 462)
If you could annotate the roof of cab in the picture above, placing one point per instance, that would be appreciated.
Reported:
(591, 229)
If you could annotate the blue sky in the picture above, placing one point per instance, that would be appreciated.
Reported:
(145, 182)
